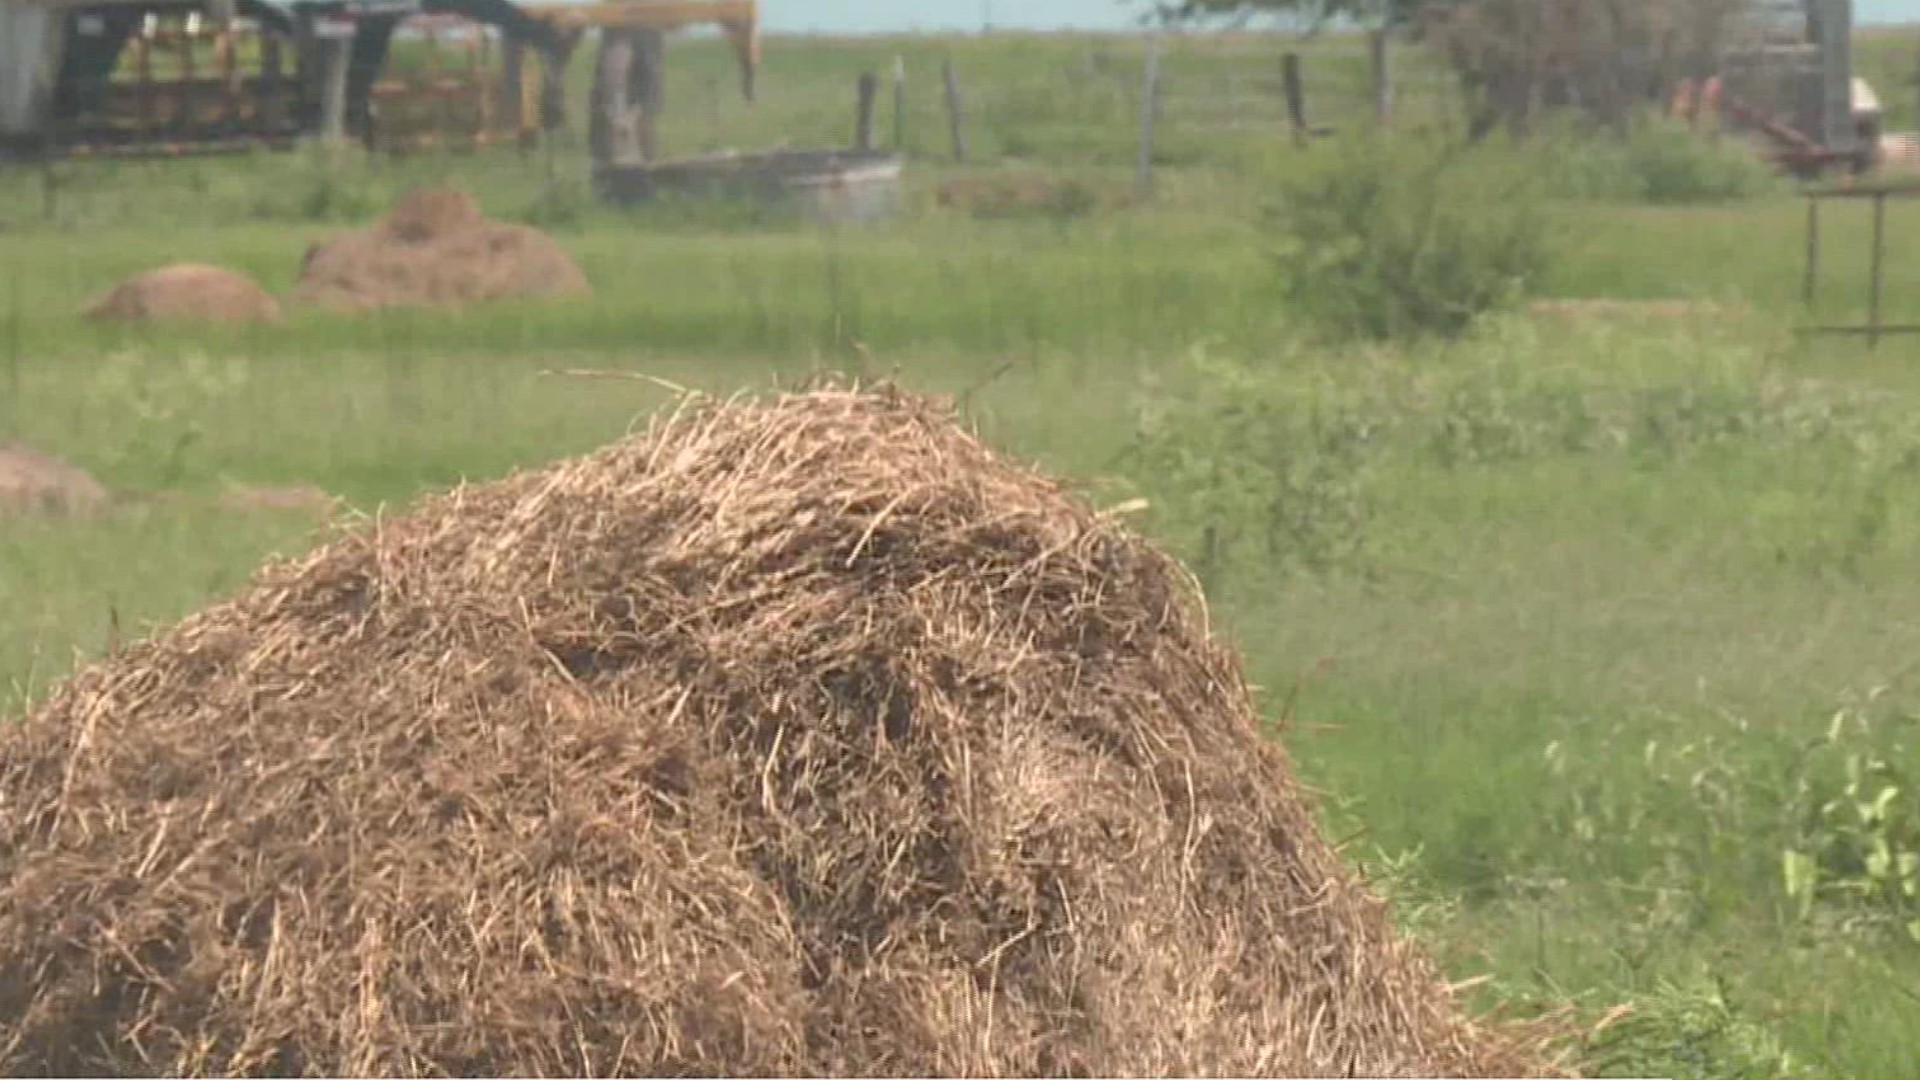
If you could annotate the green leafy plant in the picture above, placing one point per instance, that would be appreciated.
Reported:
(1250, 475)
(1408, 238)
(164, 402)
(1691, 1028)
(1658, 161)
(1856, 848)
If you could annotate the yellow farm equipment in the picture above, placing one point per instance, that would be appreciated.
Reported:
(171, 76)
(462, 83)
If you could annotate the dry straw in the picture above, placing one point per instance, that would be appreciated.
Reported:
(186, 292)
(436, 249)
(800, 736)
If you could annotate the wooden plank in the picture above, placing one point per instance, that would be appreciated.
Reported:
(647, 14)
(1882, 330)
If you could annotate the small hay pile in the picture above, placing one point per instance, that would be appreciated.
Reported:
(791, 738)
(435, 249)
(32, 482)
(186, 292)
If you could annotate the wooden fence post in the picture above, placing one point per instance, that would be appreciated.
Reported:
(612, 133)
(1382, 57)
(1879, 267)
(956, 111)
(1296, 97)
(513, 69)
(334, 51)
(1811, 278)
(900, 104)
(869, 95)
(650, 89)
(1149, 111)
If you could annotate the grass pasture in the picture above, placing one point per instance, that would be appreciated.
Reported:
(1581, 622)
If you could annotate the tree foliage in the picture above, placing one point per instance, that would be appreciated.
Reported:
(1514, 57)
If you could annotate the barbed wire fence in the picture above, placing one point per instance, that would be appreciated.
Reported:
(1179, 99)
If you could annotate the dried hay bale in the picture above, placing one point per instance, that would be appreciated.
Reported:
(436, 250)
(186, 292)
(32, 482)
(794, 738)
(425, 214)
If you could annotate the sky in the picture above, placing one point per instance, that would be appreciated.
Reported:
(893, 16)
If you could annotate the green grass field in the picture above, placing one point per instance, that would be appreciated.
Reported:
(1578, 623)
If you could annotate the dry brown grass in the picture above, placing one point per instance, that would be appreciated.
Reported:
(801, 737)
(436, 250)
(186, 292)
(1024, 194)
(32, 482)
(1603, 308)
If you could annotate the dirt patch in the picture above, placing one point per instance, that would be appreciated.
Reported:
(298, 497)
(435, 249)
(32, 482)
(1633, 309)
(186, 292)
(1024, 195)
(797, 737)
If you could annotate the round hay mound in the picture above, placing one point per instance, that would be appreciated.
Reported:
(794, 738)
(186, 292)
(32, 482)
(428, 213)
(436, 250)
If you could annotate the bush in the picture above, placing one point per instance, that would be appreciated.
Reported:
(1660, 162)
(1406, 238)
(1857, 848)
(1691, 1028)
(1249, 477)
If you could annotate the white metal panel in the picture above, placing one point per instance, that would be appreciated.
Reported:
(1865, 101)
(31, 37)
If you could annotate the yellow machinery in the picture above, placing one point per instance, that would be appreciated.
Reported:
(176, 76)
(466, 100)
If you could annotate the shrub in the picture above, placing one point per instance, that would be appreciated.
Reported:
(1249, 476)
(1692, 1028)
(1660, 161)
(1857, 845)
(1409, 238)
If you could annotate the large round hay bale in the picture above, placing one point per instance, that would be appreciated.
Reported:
(435, 250)
(186, 292)
(794, 738)
(32, 482)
